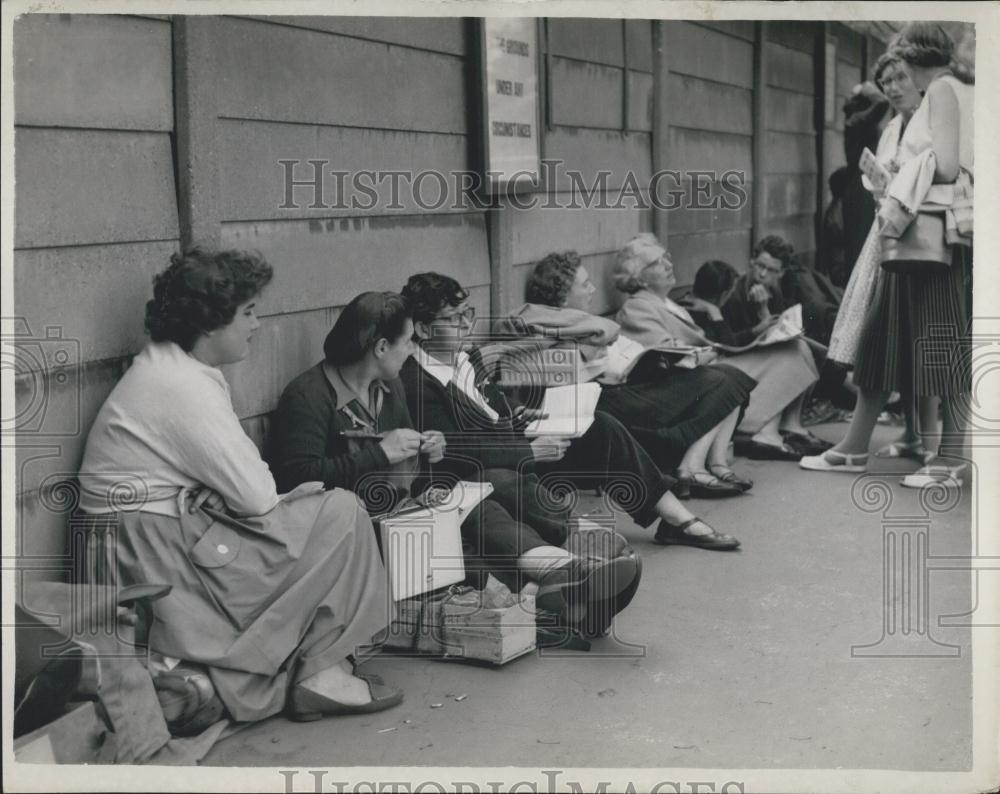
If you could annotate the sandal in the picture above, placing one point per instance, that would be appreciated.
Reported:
(851, 464)
(710, 488)
(906, 449)
(668, 534)
(726, 474)
(940, 475)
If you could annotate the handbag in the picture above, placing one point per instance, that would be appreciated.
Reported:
(922, 248)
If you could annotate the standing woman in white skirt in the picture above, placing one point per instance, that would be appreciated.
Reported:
(910, 306)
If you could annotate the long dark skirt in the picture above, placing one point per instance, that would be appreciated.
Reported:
(916, 337)
(669, 413)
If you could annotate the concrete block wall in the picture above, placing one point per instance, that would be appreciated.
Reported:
(709, 85)
(96, 217)
(599, 92)
(790, 165)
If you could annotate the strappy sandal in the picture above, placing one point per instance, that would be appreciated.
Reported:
(726, 474)
(708, 486)
(850, 464)
(668, 534)
(939, 475)
(906, 449)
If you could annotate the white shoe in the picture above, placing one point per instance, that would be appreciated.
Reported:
(850, 464)
(943, 476)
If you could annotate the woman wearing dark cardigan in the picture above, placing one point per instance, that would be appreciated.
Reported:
(345, 423)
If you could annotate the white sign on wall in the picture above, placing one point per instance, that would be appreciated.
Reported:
(510, 90)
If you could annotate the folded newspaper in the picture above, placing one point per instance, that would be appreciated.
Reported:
(624, 355)
(788, 326)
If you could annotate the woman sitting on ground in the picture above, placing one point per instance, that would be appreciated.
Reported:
(684, 418)
(345, 423)
(785, 371)
(446, 389)
(273, 594)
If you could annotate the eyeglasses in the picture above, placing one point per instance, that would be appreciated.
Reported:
(469, 314)
(766, 268)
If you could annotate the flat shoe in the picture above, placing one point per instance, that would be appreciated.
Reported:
(668, 534)
(850, 464)
(715, 488)
(726, 474)
(806, 443)
(304, 705)
(942, 476)
(572, 590)
(755, 450)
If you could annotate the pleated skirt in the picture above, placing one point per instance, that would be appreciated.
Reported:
(916, 338)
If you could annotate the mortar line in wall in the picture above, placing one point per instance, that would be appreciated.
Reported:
(708, 129)
(96, 245)
(622, 67)
(701, 24)
(340, 34)
(81, 128)
(714, 81)
(342, 126)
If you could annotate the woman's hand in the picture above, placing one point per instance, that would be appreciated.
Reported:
(549, 448)
(758, 294)
(400, 444)
(702, 305)
(432, 445)
(207, 497)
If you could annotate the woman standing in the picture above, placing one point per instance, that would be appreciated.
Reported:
(894, 79)
(273, 594)
(908, 306)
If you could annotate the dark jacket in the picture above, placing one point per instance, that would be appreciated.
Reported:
(741, 313)
(820, 300)
(474, 441)
(305, 441)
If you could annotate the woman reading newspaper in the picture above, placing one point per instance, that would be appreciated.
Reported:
(682, 413)
(776, 357)
(345, 422)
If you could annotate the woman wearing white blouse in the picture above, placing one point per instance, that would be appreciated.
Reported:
(272, 594)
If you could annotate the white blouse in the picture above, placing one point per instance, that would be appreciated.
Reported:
(169, 424)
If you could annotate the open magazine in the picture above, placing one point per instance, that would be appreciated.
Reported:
(789, 326)
(569, 411)
(877, 174)
(422, 545)
(624, 355)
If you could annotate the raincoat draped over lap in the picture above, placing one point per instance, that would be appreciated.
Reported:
(261, 600)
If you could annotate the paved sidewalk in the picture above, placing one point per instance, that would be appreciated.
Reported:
(739, 660)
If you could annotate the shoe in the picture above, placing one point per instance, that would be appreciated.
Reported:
(851, 464)
(668, 534)
(304, 705)
(188, 700)
(942, 476)
(572, 590)
(726, 474)
(906, 449)
(805, 443)
(713, 488)
(755, 450)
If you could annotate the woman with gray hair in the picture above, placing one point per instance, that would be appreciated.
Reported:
(783, 371)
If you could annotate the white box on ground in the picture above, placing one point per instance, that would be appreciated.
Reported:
(422, 547)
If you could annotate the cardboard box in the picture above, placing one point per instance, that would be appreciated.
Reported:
(457, 628)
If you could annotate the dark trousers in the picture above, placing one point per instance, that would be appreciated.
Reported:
(609, 458)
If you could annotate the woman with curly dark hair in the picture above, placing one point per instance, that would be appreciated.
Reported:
(684, 418)
(271, 593)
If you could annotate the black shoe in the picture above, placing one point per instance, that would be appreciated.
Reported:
(711, 487)
(806, 443)
(755, 450)
(573, 590)
(674, 535)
